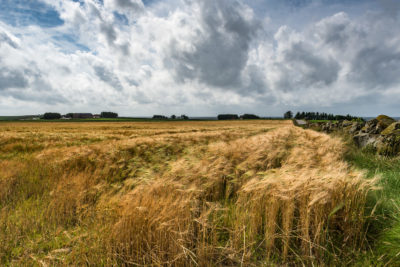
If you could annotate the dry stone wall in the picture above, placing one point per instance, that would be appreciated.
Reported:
(381, 134)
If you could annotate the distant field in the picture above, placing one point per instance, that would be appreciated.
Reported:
(29, 119)
(322, 120)
(183, 193)
(14, 118)
(119, 119)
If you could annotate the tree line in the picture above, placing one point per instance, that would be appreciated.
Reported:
(236, 117)
(320, 116)
(173, 117)
(287, 115)
(57, 116)
(108, 114)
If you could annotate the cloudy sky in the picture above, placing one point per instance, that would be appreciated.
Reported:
(200, 57)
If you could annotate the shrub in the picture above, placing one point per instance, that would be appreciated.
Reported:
(288, 115)
(160, 117)
(249, 117)
(51, 116)
(108, 114)
(228, 117)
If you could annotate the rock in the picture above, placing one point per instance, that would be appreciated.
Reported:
(300, 122)
(355, 127)
(380, 127)
(389, 145)
(365, 139)
(346, 123)
(377, 125)
(327, 127)
(393, 128)
(385, 121)
(370, 126)
(314, 126)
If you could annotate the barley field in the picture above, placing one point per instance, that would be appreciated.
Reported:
(207, 193)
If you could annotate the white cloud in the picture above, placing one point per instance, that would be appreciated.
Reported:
(195, 57)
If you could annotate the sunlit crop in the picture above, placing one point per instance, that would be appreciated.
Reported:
(176, 194)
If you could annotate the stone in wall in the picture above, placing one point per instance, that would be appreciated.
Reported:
(382, 134)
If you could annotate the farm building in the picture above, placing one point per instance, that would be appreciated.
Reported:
(82, 115)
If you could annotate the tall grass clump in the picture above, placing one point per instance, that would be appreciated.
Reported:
(284, 196)
(384, 226)
(240, 193)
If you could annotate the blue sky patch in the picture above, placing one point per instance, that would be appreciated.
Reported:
(148, 2)
(121, 18)
(28, 12)
(71, 40)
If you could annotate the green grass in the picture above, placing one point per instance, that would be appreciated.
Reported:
(16, 118)
(121, 119)
(384, 225)
(314, 121)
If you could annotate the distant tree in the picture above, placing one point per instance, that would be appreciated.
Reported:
(159, 117)
(108, 114)
(249, 117)
(51, 116)
(325, 116)
(69, 115)
(228, 117)
(173, 117)
(184, 117)
(288, 115)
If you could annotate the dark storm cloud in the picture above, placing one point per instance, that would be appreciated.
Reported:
(106, 28)
(301, 68)
(317, 69)
(376, 66)
(94, 10)
(108, 77)
(50, 97)
(220, 50)
(297, 3)
(109, 32)
(391, 7)
(28, 85)
(334, 33)
(140, 97)
(4, 38)
(338, 30)
(109, 29)
(257, 82)
(124, 49)
(128, 4)
(12, 79)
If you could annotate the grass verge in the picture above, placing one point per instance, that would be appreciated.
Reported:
(384, 204)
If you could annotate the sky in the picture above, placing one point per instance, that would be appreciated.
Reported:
(200, 57)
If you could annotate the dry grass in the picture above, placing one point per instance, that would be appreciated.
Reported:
(176, 194)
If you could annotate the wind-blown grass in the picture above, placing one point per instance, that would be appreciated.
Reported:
(384, 227)
(177, 194)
